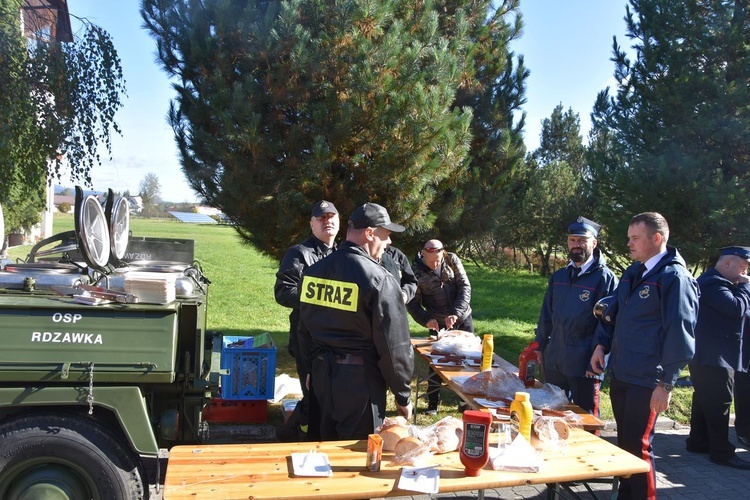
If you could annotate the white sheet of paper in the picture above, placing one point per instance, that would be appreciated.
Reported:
(420, 479)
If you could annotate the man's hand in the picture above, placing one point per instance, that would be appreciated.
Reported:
(597, 362)
(404, 411)
(660, 400)
(450, 321)
(432, 325)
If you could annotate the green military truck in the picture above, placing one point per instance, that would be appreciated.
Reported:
(103, 361)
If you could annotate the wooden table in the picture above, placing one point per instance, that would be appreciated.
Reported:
(450, 375)
(264, 471)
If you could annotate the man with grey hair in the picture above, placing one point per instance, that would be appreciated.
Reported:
(353, 324)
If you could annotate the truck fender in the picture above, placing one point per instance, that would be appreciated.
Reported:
(126, 403)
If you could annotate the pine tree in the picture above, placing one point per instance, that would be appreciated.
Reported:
(284, 103)
(555, 190)
(674, 137)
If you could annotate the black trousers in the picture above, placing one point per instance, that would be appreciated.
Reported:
(709, 418)
(631, 405)
(433, 380)
(351, 403)
(742, 404)
(582, 391)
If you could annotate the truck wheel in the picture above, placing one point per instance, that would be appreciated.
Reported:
(65, 457)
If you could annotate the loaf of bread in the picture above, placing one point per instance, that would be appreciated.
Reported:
(405, 445)
(392, 434)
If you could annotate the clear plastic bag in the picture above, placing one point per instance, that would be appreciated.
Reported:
(458, 343)
(503, 384)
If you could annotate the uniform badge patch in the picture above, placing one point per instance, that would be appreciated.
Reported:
(584, 296)
(645, 292)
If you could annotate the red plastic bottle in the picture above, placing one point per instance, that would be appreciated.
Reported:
(528, 364)
(474, 452)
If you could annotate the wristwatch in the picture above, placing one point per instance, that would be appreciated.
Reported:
(666, 387)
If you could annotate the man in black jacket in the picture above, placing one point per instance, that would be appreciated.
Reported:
(724, 304)
(353, 324)
(324, 223)
(442, 301)
(398, 264)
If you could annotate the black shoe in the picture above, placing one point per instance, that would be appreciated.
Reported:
(735, 462)
(744, 442)
(462, 407)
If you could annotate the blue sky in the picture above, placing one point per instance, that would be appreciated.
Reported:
(566, 45)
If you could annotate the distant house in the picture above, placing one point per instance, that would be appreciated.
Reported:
(136, 204)
(60, 199)
(206, 210)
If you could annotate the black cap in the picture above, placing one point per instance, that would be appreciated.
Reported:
(743, 252)
(373, 215)
(584, 227)
(323, 207)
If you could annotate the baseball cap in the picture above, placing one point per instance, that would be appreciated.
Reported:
(323, 207)
(373, 215)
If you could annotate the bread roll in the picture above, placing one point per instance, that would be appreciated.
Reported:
(391, 435)
(405, 445)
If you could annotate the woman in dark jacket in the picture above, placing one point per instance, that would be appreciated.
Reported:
(442, 300)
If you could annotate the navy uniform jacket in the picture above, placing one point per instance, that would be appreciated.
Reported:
(350, 304)
(566, 322)
(654, 333)
(718, 334)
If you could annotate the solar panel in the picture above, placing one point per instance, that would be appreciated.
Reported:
(192, 218)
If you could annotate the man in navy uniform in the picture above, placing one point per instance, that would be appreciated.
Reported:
(724, 304)
(566, 323)
(742, 391)
(353, 324)
(653, 339)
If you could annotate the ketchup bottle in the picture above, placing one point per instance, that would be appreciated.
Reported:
(474, 453)
(528, 364)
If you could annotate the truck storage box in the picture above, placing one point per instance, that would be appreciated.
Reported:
(54, 339)
(235, 411)
(252, 371)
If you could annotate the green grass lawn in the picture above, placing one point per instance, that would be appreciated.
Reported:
(505, 303)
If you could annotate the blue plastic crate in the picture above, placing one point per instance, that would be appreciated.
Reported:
(252, 371)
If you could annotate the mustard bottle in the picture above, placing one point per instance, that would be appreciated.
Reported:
(487, 349)
(521, 415)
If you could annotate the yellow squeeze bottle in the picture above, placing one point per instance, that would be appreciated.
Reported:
(521, 415)
(487, 348)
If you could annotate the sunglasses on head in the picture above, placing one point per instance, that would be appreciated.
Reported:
(433, 250)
